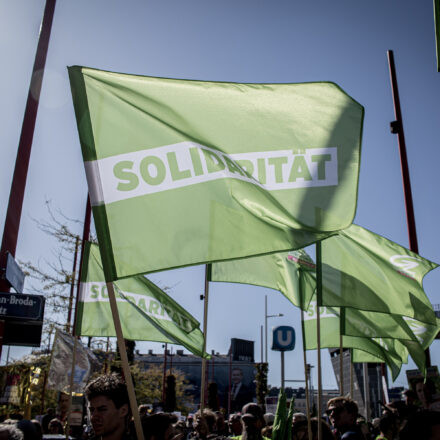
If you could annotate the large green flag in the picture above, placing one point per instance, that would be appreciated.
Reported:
(363, 270)
(390, 351)
(146, 312)
(293, 274)
(187, 172)
(278, 271)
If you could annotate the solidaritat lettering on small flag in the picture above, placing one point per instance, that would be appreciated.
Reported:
(61, 364)
(147, 313)
(188, 172)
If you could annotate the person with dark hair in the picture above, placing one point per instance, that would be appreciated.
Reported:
(46, 419)
(424, 425)
(343, 413)
(159, 426)
(300, 430)
(55, 427)
(252, 420)
(234, 425)
(109, 407)
(204, 424)
(10, 432)
(388, 427)
(221, 426)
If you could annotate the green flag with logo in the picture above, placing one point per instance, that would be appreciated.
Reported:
(146, 312)
(187, 172)
(390, 351)
(385, 276)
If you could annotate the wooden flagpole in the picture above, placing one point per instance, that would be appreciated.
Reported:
(351, 377)
(318, 332)
(306, 367)
(124, 359)
(306, 374)
(341, 349)
(205, 328)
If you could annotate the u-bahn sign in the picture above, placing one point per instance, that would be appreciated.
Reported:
(283, 338)
(23, 316)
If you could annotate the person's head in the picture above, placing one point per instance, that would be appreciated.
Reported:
(159, 426)
(55, 427)
(425, 391)
(10, 432)
(63, 403)
(300, 430)
(38, 429)
(108, 405)
(220, 421)
(342, 412)
(409, 396)
(389, 425)
(424, 425)
(269, 418)
(236, 375)
(298, 417)
(267, 431)
(143, 410)
(252, 419)
(234, 424)
(28, 429)
(205, 424)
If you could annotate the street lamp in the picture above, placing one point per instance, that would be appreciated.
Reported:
(265, 321)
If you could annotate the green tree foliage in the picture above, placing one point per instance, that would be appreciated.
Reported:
(23, 369)
(148, 386)
(261, 382)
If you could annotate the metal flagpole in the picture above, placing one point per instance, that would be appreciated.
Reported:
(205, 328)
(85, 237)
(72, 286)
(18, 185)
(397, 128)
(318, 332)
(124, 359)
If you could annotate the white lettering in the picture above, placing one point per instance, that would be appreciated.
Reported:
(174, 166)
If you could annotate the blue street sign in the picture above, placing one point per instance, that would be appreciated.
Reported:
(283, 338)
(20, 306)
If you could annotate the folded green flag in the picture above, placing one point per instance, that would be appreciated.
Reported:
(390, 351)
(276, 271)
(363, 270)
(279, 424)
(146, 312)
(187, 172)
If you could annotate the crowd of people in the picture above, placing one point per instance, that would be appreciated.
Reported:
(109, 418)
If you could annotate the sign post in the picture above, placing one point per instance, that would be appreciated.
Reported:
(283, 339)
